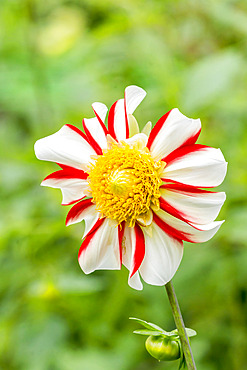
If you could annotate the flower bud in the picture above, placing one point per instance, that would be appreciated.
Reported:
(163, 349)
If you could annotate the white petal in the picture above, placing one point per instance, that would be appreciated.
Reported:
(94, 127)
(175, 131)
(135, 281)
(117, 125)
(87, 214)
(133, 96)
(90, 218)
(72, 188)
(202, 168)
(128, 257)
(96, 131)
(66, 147)
(100, 109)
(163, 255)
(194, 232)
(102, 252)
(197, 207)
(138, 140)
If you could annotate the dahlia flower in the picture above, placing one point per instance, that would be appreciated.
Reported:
(139, 193)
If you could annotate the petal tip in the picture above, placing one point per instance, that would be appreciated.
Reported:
(135, 88)
(44, 183)
(37, 148)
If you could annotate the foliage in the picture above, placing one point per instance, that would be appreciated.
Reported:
(57, 57)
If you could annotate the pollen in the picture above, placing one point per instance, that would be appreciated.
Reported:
(124, 182)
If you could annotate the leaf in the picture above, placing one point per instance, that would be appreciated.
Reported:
(147, 325)
(158, 328)
(147, 332)
(154, 328)
(189, 332)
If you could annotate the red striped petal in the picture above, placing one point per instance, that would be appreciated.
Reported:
(165, 206)
(91, 140)
(126, 117)
(90, 235)
(77, 130)
(183, 150)
(111, 121)
(179, 235)
(73, 201)
(115, 124)
(139, 252)
(101, 122)
(175, 185)
(67, 173)
(156, 129)
(77, 209)
(64, 166)
(191, 140)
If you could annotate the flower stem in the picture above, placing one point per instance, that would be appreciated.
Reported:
(180, 326)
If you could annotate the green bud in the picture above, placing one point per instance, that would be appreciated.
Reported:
(163, 349)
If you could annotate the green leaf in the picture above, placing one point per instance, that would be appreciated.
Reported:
(158, 328)
(189, 332)
(155, 328)
(147, 332)
(148, 325)
(170, 334)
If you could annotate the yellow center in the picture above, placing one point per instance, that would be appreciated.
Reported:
(124, 183)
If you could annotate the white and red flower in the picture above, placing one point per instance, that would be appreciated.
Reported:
(140, 194)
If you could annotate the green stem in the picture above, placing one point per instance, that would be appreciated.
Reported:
(180, 326)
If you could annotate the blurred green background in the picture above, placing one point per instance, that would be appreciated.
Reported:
(57, 57)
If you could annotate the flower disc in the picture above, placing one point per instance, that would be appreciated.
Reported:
(125, 182)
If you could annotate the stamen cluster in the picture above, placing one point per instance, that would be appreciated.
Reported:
(125, 182)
